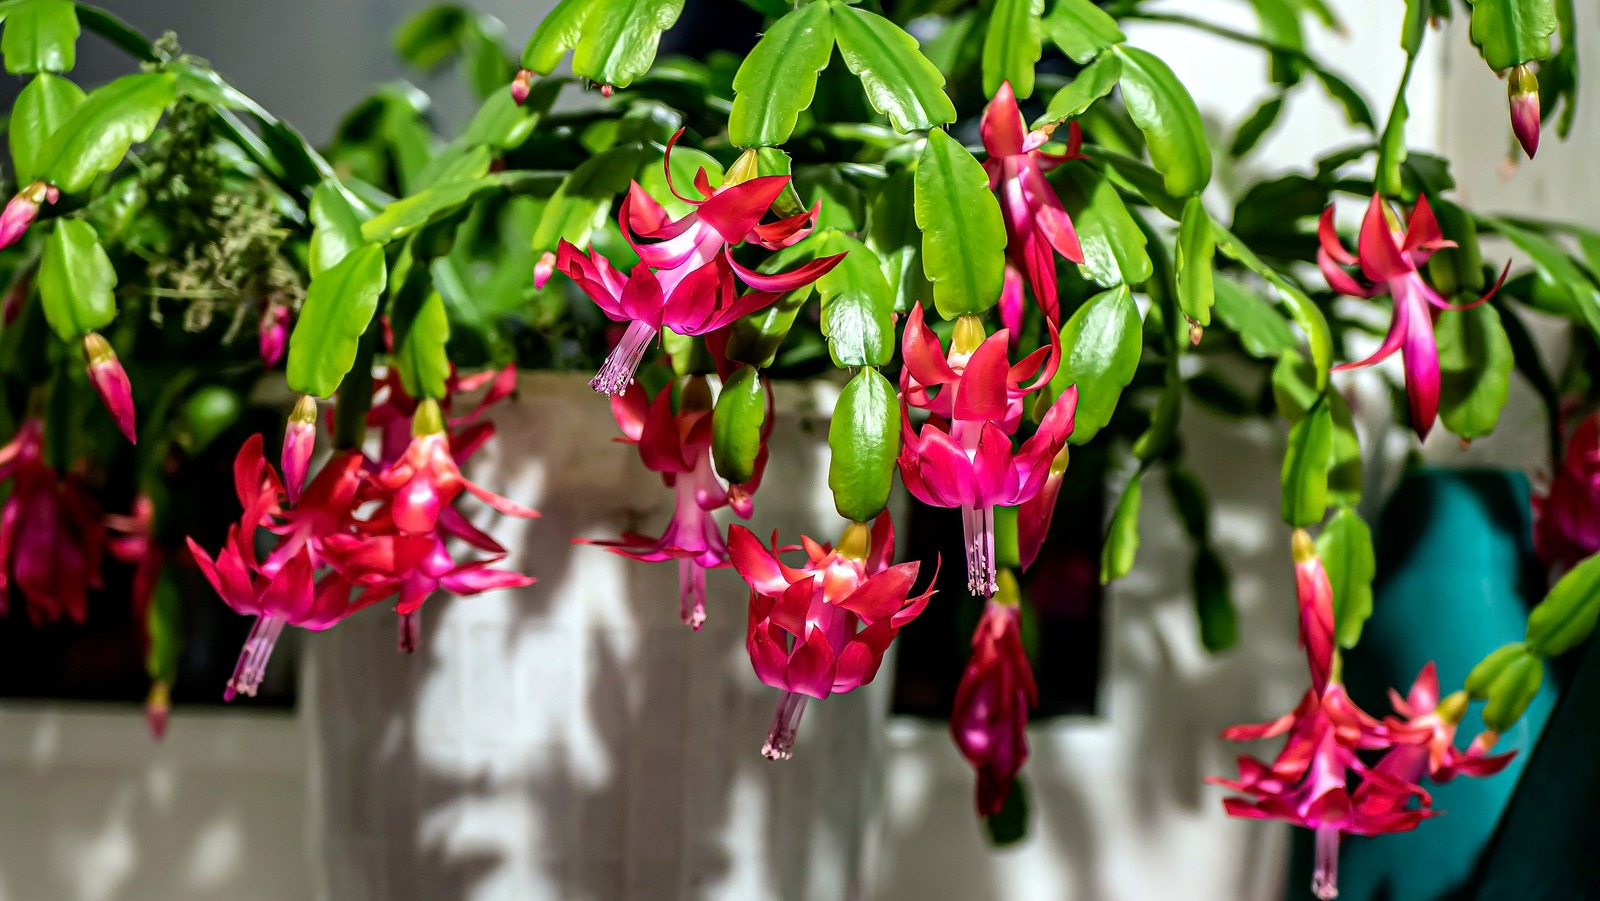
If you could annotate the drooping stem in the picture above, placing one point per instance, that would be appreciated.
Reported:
(1325, 877)
(253, 659)
(410, 631)
(617, 372)
(978, 526)
(692, 592)
(785, 724)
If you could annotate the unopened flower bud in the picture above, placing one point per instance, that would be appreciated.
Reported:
(743, 169)
(158, 709)
(520, 86)
(23, 209)
(543, 269)
(427, 420)
(1522, 90)
(274, 334)
(299, 438)
(110, 382)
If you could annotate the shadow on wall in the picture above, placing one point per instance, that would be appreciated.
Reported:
(575, 739)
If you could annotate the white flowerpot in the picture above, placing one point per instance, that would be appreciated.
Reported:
(574, 739)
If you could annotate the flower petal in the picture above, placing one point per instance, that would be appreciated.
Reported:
(1002, 128)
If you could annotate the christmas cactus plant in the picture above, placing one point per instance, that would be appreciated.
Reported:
(994, 224)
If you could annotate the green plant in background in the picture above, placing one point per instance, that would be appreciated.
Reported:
(820, 206)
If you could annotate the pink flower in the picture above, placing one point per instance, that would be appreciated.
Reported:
(1391, 259)
(963, 457)
(393, 408)
(426, 479)
(1522, 94)
(52, 537)
(274, 334)
(1436, 756)
(1315, 595)
(990, 718)
(722, 217)
(110, 382)
(23, 209)
(289, 597)
(299, 440)
(415, 567)
(684, 278)
(1567, 518)
(822, 628)
(520, 85)
(678, 445)
(702, 302)
(1037, 226)
(1308, 784)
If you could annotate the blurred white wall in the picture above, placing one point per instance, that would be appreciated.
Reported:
(93, 812)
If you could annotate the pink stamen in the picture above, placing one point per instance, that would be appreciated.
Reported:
(410, 631)
(1325, 878)
(253, 659)
(785, 724)
(978, 525)
(617, 373)
(692, 592)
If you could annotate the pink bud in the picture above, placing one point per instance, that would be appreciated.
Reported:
(1522, 90)
(109, 379)
(274, 334)
(23, 209)
(299, 437)
(158, 710)
(521, 85)
(606, 91)
(543, 269)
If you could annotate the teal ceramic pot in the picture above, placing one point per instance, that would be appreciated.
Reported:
(1456, 577)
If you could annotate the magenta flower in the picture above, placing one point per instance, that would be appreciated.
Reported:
(426, 480)
(280, 590)
(415, 567)
(703, 301)
(990, 718)
(52, 536)
(1566, 526)
(1037, 226)
(1308, 784)
(110, 382)
(23, 209)
(822, 628)
(722, 218)
(963, 457)
(678, 445)
(1390, 260)
(1437, 757)
(288, 597)
(1522, 95)
(393, 408)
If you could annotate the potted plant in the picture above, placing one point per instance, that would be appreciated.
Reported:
(846, 201)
